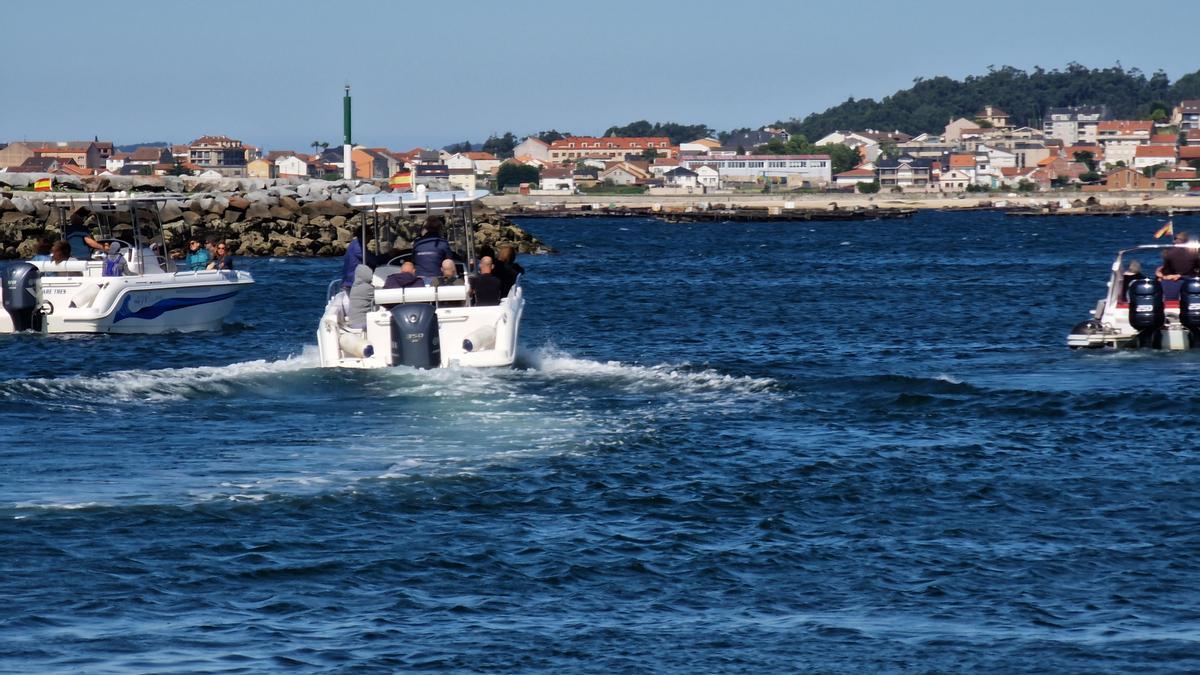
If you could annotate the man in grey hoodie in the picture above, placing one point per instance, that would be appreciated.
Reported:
(361, 296)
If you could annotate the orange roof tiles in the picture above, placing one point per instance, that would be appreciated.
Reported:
(1155, 151)
(1126, 126)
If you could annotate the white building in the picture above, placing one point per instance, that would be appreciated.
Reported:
(1074, 124)
(796, 170)
(557, 179)
(708, 177)
(534, 147)
(291, 165)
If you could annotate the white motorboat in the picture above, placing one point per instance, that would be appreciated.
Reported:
(423, 327)
(152, 296)
(1139, 310)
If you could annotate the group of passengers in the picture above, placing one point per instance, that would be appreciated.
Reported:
(1178, 262)
(432, 264)
(213, 255)
(79, 244)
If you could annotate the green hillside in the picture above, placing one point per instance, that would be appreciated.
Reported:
(930, 103)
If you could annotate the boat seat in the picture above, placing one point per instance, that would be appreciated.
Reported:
(399, 296)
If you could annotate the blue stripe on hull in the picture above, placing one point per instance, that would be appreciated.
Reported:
(163, 306)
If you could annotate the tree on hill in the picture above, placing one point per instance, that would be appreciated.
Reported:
(500, 146)
(514, 174)
(929, 103)
(465, 146)
(551, 135)
(678, 133)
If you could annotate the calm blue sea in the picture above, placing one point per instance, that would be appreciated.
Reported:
(834, 447)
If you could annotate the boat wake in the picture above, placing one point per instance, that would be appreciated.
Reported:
(160, 385)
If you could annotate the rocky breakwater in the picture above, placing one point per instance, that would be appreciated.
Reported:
(255, 217)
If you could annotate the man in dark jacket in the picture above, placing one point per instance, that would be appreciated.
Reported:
(485, 287)
(1180, 260)
(430, 250)
(405, 278)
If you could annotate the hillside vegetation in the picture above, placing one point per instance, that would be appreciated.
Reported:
(930, 103)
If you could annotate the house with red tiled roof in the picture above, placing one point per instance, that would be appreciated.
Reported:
(1187, 174)
(1154, 155)
(148, 155)
(625, 173)
(557, 178)
(1164, 139)
(853, 177)
(1120, 138)
(222, 154)
(1190, 154)
(573, 148)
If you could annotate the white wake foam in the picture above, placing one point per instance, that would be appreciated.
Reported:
(165, 384)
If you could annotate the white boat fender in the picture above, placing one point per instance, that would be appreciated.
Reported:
(85, 296)
(479, 339)
(356, 345)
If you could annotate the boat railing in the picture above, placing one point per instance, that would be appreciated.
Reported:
(335, 287)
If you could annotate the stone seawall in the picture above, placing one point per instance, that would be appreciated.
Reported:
(255, 217)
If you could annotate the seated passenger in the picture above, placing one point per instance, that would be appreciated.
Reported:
(449, 275)
(197, 257)
(485, 287)
(114, 261)
(507, 268)
(361, 298)
(1132, 273)
(43, 250)
(405, 278)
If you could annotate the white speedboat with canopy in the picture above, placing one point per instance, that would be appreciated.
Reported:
(152, 295)
(1139, 310)
(422, 327)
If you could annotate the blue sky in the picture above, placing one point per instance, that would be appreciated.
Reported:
(271, 72)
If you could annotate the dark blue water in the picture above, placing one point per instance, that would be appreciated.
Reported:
(728, 448)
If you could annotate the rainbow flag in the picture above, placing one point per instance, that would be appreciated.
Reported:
(42, 185)
(401, 180)
(1165, 230)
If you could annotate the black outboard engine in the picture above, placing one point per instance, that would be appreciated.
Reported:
(1189, 308)
(20, 293)
(1146, 309)
(415, 336)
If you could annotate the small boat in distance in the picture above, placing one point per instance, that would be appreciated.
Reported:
(421, 327)
(1139, 310)
(151, 296)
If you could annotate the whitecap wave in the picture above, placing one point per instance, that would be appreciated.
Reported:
(165, 384)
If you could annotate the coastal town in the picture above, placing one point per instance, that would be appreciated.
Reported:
(1077, 148)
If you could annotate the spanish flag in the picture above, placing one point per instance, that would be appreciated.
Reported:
(42, 185)
(1168, 229)
(401, 180)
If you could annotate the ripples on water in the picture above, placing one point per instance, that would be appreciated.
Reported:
(727, 447)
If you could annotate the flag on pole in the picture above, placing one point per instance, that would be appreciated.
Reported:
(401, 180)
(1165, 230)
(42, 185)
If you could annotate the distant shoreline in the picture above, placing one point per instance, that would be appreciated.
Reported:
(825, 202)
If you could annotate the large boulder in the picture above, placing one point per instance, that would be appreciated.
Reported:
(24, 205)
(328, 208)
(258, 211)
(190, 218)
(281, 213)
(239, 202)
(170, 211)
(289, 203)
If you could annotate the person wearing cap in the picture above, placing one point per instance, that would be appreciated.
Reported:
(114, 261)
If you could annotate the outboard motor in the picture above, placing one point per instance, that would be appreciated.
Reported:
(415, 336)
(1146, 309)
(1189, 307)
(20, 293)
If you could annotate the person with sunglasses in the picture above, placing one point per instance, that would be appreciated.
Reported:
(223, 259)
(197, 256)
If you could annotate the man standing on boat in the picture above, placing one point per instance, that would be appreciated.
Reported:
(80, 237)
(430, 250)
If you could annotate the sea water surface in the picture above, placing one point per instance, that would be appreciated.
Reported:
(727, 447)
